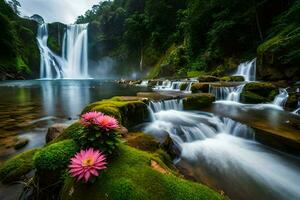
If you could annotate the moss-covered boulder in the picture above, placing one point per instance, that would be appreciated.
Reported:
(15, 168)
(233, 79)
(200, 87)
(198, 101)
(258, 92)
(292, 101)
(132, 176)
(183, 86)
(208, 78)
(128, 112)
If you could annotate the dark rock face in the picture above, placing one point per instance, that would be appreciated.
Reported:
(258, 92)
(197, 101)
(54, 131)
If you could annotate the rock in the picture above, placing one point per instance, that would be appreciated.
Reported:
(258, 92)
(200, 87)
(123, 131)
(208, 79)
(142, 142)
(169, 146)
(292, 101)
(197, 101)
(233, 79)
(54, 131)
(21, 143)
(157, 167)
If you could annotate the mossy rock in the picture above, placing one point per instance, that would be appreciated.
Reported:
(130, 176)
(197, 101)
(200, 87)
(292, 101)
(208, 79)
(142, 141)
(72, 132)
(183, 86)
(129, 113)
(258, 92)
(18, 166)
(55, 156)
(233, 79)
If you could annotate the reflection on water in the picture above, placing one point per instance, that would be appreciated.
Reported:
(27, 108)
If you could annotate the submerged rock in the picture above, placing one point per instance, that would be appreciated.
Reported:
(198, 101)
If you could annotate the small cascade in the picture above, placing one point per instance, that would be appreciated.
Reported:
(281, 98)
(173, 86)
(247, 70)
(225, 152)
(144, 83)
(73, 64)
(227, 93)
(174, 104)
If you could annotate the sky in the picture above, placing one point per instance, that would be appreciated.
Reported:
(65, 11)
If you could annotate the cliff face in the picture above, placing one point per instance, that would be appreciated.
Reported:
(19, 53)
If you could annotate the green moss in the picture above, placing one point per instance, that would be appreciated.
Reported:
(55, 156)
(198, 101)
(250, 97)
(183, 86)
(258, 92)
(14, 168)
(130, 176)
(72, 132)
(199, 87)
(128, 112)
(233, 78)
(192, 74)
(207, 78)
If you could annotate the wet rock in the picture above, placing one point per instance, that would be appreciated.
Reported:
(123, 131)
(292, 101)
(208, 79)
(198, 101)
(233, 79)
(200, 87)
(169, 146)
(54, 131)
(258, 92)
(21, 143)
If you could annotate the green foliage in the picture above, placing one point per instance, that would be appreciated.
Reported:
(14, 168)
(183, 86)
(106, 141)
(55, 156)
(130, 176)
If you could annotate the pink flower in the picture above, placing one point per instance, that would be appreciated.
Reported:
(88, 119)
(86, 164)
(106, 122)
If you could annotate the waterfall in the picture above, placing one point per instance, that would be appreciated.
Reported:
(73, 64)
(227, 93)
(247, 70)
(225, 153)
(281, 98)
(49, 62)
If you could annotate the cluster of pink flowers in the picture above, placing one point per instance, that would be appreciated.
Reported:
(99, 119)
(86, 164)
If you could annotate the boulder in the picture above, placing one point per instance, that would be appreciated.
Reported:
(169, 146)
(292, 101)
(54, 131)
(207, 78)
(21, 143)
(233, 79)
(197, 101)
(258, 92)
(200, 87)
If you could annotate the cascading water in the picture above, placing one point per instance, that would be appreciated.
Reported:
(247, 70)
(281, 98)
(227, 93)
(73, 64)
(224, 154)
(50, 63)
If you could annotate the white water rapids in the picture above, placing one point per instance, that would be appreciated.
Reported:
(225, 153)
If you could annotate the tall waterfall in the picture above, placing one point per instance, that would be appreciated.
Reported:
(247, 70)
(73, 63)
(223, 152)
